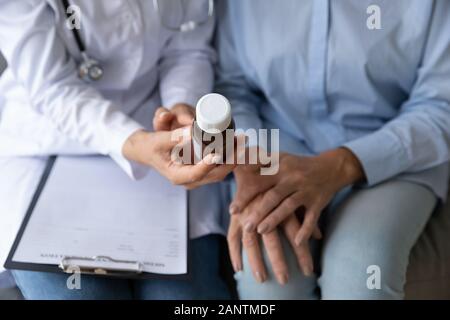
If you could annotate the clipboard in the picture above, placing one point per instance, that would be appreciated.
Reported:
(91, 265)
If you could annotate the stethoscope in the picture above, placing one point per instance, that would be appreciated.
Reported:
(91, 70)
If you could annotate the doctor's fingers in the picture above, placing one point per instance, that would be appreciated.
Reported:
(181, 174)
(274, 250)
(234, 239)
(162, 120)
(184, 115)
(174, 144)
(224, 168)
(302, 251)
(219, 173)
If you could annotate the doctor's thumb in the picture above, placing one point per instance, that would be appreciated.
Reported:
(162, 120)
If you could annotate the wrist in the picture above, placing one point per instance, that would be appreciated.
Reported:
(134, 144)
(351, 168)
(347, 167)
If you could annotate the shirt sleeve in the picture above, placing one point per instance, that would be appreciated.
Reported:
(231, 80)
(39, 61)
(419, 137)
(186, 64)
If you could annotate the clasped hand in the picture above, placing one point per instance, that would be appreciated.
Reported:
(290, 201)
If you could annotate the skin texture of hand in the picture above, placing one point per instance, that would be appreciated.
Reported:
(180, 115)
(249, 184)
(154, 149)
(263, 203)
(302, 182)
(251, 241)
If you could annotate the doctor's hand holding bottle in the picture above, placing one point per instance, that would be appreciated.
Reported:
(154, 149)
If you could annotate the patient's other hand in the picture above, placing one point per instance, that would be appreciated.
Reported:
(180, 115)
(251, 241)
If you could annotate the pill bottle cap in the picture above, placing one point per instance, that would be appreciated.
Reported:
(213, 113)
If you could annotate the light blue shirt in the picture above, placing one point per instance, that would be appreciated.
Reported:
(315, 70)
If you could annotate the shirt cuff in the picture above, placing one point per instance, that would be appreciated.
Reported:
(175, 96)
(133, 169)
(381, 154)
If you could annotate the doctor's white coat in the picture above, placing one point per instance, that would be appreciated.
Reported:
(46, 109)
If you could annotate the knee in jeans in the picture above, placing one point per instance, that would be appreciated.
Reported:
(298, 287)
(362, 270)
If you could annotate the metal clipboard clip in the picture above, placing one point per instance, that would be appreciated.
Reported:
(100, 265)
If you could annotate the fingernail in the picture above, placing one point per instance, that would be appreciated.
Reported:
(299, 240)
(283, 279)
(249, 227)
(263, 228)
(216, 159)
(237, 267)
(308, 271)
(208, 159)
(186, 132)
(259, 277)
(234, 209)
(163, 114)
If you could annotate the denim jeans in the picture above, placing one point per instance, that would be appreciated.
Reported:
(205, 282)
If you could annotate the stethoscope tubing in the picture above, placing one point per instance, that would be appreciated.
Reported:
(88, 63)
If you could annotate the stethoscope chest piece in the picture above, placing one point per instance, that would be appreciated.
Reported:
(89, 69)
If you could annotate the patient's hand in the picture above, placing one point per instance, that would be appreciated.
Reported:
(251, 241)
(249, 183)
(180, 115)
(302, 182)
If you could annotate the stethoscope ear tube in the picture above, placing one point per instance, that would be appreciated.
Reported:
(89, 69)
(75, 32)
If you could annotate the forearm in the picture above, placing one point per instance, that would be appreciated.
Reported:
(133, 146)
(38, 59)
(185, 80)
(418, 138)
(186, 66)
(414, 141)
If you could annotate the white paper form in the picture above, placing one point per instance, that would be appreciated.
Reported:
(90, 207)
